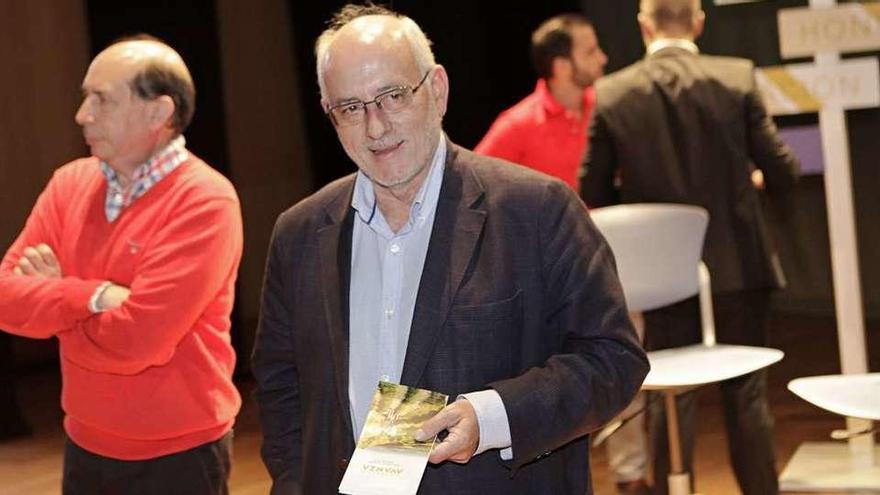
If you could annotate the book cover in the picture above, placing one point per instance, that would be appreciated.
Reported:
(388, 460)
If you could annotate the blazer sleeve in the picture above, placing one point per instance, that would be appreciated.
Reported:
(599, 165)
(600, 365)
(770, 154)
(273, 366)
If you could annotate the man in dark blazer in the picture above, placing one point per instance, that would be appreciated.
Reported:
(506, 300)
(680, 127)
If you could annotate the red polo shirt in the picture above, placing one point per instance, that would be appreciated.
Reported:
(540, 133)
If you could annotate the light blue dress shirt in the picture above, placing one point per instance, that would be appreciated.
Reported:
(386, 269)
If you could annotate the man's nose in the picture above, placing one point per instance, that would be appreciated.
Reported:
(84, 113)
(376, 121)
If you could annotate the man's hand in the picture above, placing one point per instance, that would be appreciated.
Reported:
(758, 179)
(113, 297)
(463, 439)
(39, 261)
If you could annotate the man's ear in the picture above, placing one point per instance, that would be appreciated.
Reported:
(647, 28)
(699, 23)
(439, 84)
(161, 112)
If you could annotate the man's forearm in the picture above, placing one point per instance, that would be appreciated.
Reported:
(39, 307)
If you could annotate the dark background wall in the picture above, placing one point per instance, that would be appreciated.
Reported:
(39, 93)
(259, 122)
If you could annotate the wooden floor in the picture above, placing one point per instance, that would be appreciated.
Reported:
(32, 466)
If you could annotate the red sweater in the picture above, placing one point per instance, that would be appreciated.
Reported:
(154, 376)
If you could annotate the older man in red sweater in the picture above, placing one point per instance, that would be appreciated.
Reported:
(129, 258)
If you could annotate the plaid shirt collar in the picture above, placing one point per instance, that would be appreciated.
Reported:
(144, 178)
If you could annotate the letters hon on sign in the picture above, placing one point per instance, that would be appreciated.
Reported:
(850, 27)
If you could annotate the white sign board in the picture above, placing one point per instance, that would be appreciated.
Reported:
(849, 27)
(806, 88)
(823, 31)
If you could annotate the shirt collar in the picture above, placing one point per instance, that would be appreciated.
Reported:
(364, 198)
(664, 43)
(174, 151)
(145, 176)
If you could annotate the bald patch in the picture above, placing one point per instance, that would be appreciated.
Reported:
(372, 28)
(140, 53)
(152, 70)
(370, 34)
(373, 32)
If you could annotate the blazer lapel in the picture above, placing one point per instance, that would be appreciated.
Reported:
(458, 223)
(334, 238)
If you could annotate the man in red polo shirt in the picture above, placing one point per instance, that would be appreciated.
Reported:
(547, 130)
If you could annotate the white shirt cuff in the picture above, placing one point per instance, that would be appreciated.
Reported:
(96, 296)
(492, 421)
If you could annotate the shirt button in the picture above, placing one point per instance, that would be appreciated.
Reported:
(389, 313)
(395, 248)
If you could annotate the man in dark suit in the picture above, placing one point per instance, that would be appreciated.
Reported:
(439, 269)
(680, 127)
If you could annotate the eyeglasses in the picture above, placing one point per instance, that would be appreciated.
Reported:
(389, 101)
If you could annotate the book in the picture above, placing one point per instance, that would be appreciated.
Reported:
(388, 460)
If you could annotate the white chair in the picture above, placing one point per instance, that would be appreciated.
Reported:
(658, 248)
(838, 466)
(854, 396)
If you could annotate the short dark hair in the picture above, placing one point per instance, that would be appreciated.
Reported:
(553, 39)
(158, 78)
(672, 16)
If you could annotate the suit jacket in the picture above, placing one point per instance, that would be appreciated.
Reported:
(684, 128)
(518, 293)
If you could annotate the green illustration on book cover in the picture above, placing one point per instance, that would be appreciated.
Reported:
(396, 413)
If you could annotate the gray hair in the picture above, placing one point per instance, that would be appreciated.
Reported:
(419, 44)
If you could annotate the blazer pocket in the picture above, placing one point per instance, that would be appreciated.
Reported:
(482, 338)
(489, 311)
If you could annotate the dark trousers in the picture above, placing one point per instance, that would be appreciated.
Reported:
(203, 470)
(12, 422)
(740, 318)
